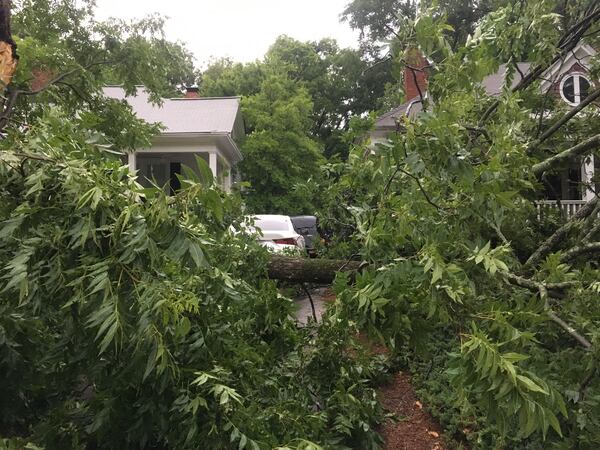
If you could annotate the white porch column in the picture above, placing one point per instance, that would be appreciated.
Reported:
(212, 163)
(131, 157)
(587, 176)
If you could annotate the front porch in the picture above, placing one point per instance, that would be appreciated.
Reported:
(162, 167)
(568, 208)
(570, 188)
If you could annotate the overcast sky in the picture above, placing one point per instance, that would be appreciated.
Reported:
(240, 29)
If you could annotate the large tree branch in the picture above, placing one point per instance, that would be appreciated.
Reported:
(564, 119)
(549, 244)
(555, 290)
(13, 94)
(590, 247)
(288, 268)
(566, 155)
(561, 323)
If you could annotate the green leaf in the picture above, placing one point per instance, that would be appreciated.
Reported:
(206, 175)
(553, 422)
(197, 255)
(530, 385)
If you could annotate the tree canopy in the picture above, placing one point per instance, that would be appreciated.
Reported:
(324, 87)
(379, 21)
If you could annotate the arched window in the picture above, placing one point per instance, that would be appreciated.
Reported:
(574, 88)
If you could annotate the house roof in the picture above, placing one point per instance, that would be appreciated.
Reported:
(389, 119)
(492, 84)
(205, 115)
(582, 55)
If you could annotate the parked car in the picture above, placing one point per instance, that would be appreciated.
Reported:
(306, 226)
(277, 233)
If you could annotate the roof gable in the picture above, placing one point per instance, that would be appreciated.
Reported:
(581, 55)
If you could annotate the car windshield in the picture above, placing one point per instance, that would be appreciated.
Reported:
(271, 225)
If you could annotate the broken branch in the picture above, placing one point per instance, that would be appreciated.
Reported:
(549, 244)
(566, 155)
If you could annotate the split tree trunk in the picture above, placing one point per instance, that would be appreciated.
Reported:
(8, 48)
(308, 270)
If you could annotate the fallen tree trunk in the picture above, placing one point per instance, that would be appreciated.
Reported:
(289, 268)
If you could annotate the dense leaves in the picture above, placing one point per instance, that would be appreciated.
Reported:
(133, 319)
(279, 153)
(444, 214)
(380, 20)
(130, 319)
(298, 102)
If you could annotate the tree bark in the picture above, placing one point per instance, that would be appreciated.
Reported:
(559, 235)
(8, 48)
(578, 150)
(288, 268)
(590, 247)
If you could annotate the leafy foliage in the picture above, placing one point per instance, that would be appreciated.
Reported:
(278, 153)
(379, 20)
(133, 319)
(298, 103)
(443, 214)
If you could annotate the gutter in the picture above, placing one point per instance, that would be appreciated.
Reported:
(236, 153)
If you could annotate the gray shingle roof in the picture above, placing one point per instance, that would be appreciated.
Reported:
(493, 83)
(181, 115)
(389, 119)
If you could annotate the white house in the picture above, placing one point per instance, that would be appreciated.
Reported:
(568, 79)
(193, 126)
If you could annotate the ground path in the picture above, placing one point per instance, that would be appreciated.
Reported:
(413, 427)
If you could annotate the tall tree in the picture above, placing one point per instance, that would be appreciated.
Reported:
(279, 153)
(323, 86)
(380, 20)
(341, 82)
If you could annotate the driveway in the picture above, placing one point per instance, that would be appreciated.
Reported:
(304, 312)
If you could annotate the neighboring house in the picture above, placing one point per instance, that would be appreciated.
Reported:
(567, 79)
(193, 126)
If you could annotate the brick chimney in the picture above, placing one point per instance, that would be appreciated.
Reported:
(415, 73)
(192, 92)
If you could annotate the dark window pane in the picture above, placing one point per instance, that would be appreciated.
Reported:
(584, 87)
(568, 89)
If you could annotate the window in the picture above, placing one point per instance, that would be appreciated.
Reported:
(574, 88)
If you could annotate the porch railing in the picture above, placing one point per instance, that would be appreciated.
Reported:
(567, 207)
